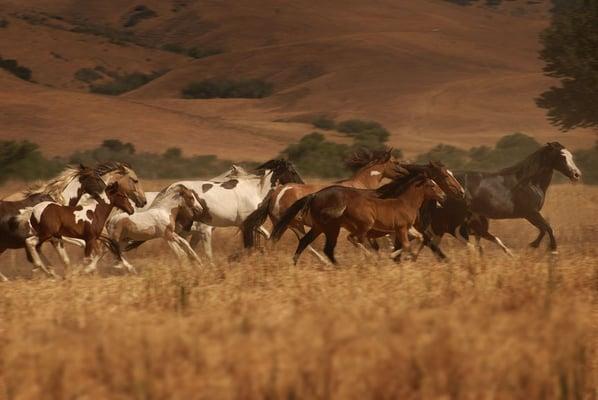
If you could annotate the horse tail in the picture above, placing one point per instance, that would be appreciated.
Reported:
(134, 244)
(301, 205)
(255, 220)
(112, 245)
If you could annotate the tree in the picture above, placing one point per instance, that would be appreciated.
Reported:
(571, 55)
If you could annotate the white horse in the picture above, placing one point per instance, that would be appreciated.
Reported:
(157, 221)
(229, 201)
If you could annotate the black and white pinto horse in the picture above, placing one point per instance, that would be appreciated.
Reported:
(228, 200)
(515, 192)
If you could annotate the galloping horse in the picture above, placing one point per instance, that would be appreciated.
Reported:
(65, 188)
(228, 203)
(371, 168)
(392, 208)
(518, 191)
(83, 221)
(158, 221)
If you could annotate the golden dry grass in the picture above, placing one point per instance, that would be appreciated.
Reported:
(474, 328)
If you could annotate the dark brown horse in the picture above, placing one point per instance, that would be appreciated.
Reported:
(370, 168)
(518, 191)
(392, 208)
(84, 221)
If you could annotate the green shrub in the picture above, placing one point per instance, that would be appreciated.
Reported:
(14, 68)
(587, 161)
(315, 156)
(23, 160)
(451, 156)
(87, 75)
(194, 52)
(226, 88)
(125, 83)
(323, 122)
(365, 133)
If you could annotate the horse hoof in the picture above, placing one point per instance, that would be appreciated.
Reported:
(534, 245)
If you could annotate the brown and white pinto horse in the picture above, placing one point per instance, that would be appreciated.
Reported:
(83, 221)
(392, 208)
(371, 168)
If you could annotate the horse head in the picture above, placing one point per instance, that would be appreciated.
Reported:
(445, 179)
(561, 160)
(127, 179)
(118, 198)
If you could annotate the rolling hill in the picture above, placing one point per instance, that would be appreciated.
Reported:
(431, 71)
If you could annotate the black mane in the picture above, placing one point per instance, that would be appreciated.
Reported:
(533, 163)
(283, 171)
(400, 185)
(363, 157)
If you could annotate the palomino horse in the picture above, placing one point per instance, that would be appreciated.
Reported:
(392, 208)
(158, 221)
(229, 203)
(372, 167)
(518, 191)
(83, 221)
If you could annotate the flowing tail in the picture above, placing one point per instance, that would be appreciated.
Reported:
(255, 220)
(112, 245)
(301, 205)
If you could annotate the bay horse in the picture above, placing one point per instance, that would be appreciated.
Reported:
(391, 208)
(371, 168)
(83, 221)
(158, 221)
(515, 192)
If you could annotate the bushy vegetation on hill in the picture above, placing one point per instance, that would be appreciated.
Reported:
(138, 14)
(227, 88)
(124, 83)
(194, 52)
(87, 75)
(14, 68)
(316, 156)
(508, 150)
(23, 161)
(313, 156)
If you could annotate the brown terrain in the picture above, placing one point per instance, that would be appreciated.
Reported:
(429, 70)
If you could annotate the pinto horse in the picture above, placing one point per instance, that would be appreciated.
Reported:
(83, 221)
(392, 208)
(515, 192)
(158, 221)
(370, 167)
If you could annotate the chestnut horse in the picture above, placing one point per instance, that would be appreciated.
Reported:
(392, 208)
(371, 168)
(83, 221)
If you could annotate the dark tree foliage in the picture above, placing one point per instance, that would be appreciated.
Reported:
(14, 68)
(571, 55)
(23, 160)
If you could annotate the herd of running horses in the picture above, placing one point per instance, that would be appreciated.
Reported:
(106, 209)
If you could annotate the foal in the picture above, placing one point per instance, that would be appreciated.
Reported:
(392, 208)
(84, 221)
(159, 221)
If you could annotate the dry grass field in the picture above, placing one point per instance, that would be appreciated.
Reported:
(259, 328)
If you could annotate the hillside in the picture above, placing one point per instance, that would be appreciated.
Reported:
(431, 71)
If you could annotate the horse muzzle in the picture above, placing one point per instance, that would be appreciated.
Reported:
(575, 176)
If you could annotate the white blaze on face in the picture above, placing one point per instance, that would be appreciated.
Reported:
(451, 174)
(276, 209)
(570, 163)
(87, 203)
(375, 173)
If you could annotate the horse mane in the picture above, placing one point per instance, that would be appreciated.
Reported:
(56, 185)
(110, 166)
(279, 167)
(364, 157)
(399, 185)
(167, 191)
(530, 165)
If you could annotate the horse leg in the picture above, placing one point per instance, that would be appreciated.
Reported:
(176, 249)
(300, 232)
(32, 243)
(187, 249)
(402, 234)
(3, 278)
(92, 255)
(539, 222)
(306, 241)
(59, 247)
(204, 235)
(331, 233)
